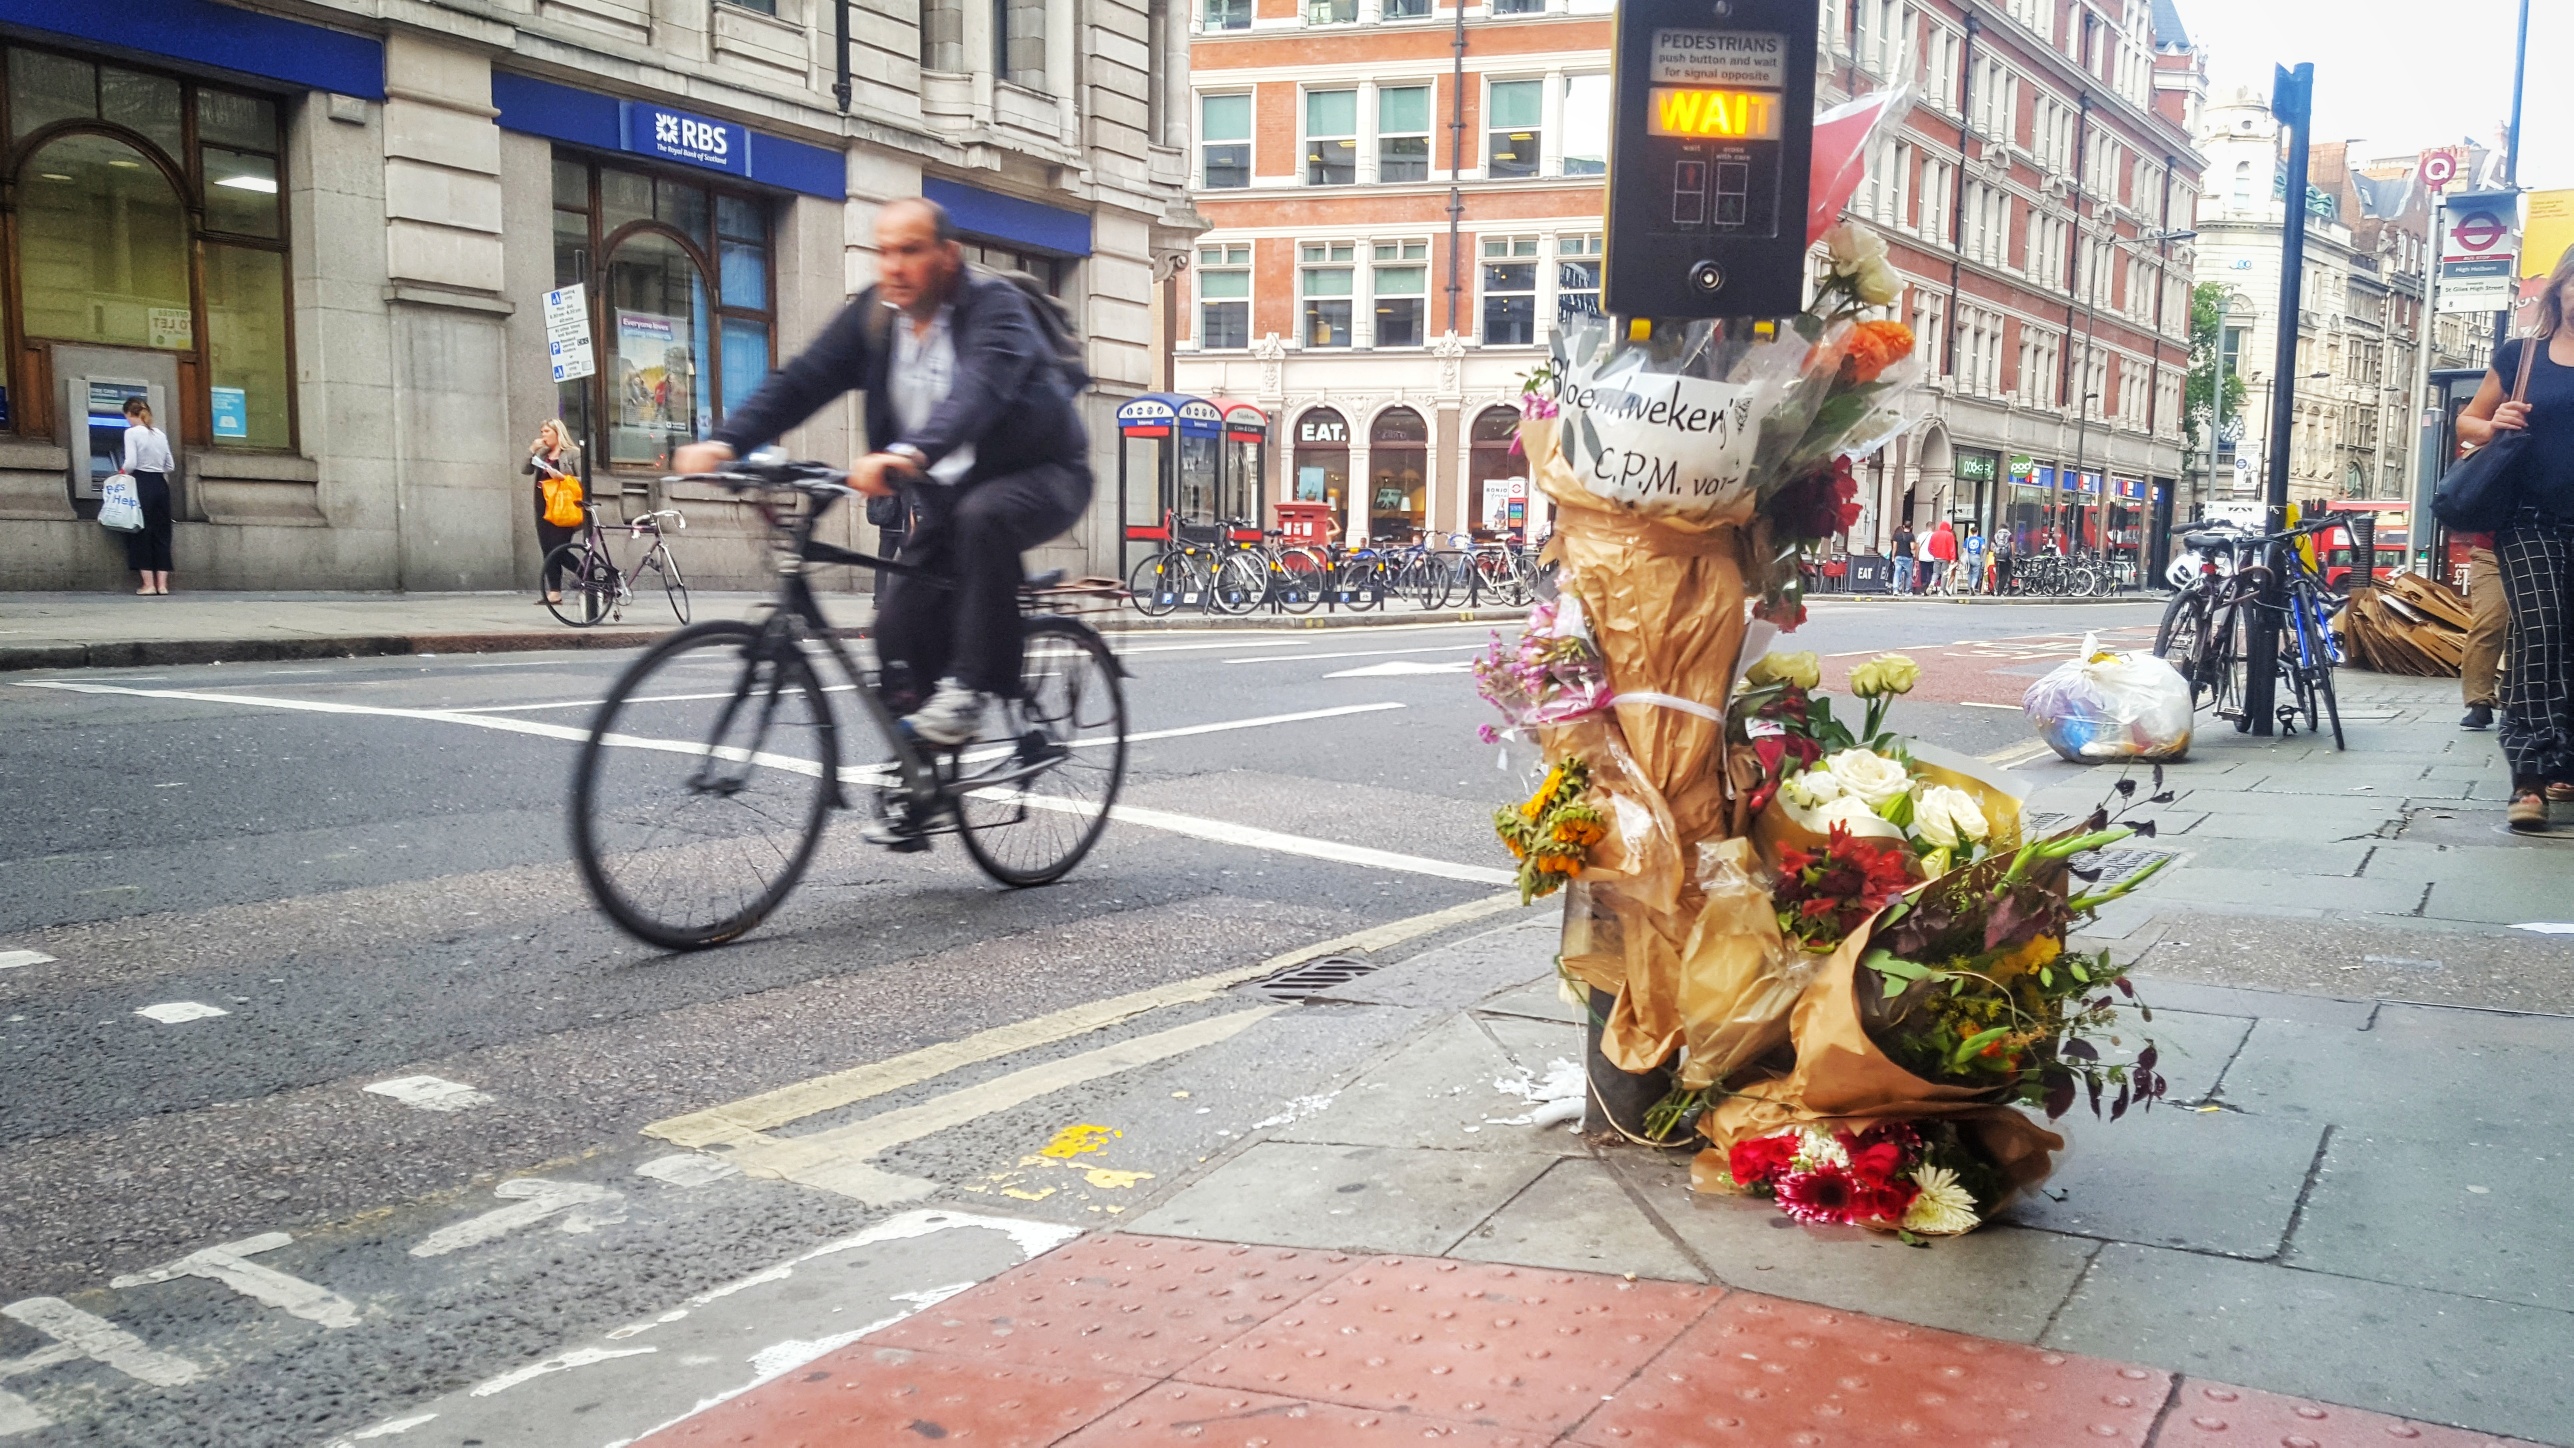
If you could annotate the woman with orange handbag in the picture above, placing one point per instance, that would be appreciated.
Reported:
(557, 466)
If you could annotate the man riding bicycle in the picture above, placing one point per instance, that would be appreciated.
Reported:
(967, 392)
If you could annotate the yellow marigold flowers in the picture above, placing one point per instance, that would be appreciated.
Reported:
(1883, 675)
(2038, 952)
(1552, 833)
(1803, 670)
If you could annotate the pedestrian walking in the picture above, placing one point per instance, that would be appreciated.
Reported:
(2477, 672)
(1941, 545)
(148, 462)
(2535, 553)
(556, 465)
(1905, 578)
(1973, 548)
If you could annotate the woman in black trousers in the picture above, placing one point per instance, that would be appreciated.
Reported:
(148, 462)
(552, 455)
(2536, 553)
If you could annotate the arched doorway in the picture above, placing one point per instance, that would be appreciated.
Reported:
(1491, 469)
(1398, 462)
(1322, 459)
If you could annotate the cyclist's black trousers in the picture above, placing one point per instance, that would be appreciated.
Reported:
(963, 622)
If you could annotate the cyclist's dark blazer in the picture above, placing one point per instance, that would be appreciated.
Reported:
(1006, 398)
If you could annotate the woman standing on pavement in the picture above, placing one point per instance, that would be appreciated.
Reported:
(2536, 553)
(552, 456)
(148, 462)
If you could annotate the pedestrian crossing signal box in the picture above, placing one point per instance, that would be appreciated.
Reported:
(1708, 163)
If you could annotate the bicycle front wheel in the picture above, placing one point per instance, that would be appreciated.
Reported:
(700, 794)
(589, 585)
(2317, 693)
(673, 587)
(1297, 580)
(1241, 583)
(1049, 798)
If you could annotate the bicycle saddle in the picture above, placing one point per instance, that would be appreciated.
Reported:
(2205, 542)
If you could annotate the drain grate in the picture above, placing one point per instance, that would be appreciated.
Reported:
(1301, 982)
(2115, 865)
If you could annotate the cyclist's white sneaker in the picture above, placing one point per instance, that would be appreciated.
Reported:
(953, 715)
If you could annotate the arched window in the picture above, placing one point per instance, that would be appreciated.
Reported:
(1322, 457)
(2243, 183)
(682, 296)
(1398, 467)
(137, 229)
(1491, 467)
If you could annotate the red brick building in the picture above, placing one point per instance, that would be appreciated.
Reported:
(1383, 319)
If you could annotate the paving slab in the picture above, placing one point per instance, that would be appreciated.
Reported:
(2209, 1181)
(1462, 972)
(2484, 1217)
(2166, 993)
(1539, 1000)
(2192, 1048)
(2491, 1366)
(2477, 1075)
(2204, 886)
(1439, 1091)
(2000, 1281)
(2302, 967)
(1579, 1216)
(1346, 1198)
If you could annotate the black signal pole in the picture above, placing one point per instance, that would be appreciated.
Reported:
(2292, 97)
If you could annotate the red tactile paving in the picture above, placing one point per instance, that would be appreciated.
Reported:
(1760, 1372)
(1201, 1417)
(1149, 1305)
(1514, 1347)
(867, 1395)
(2221, 1415)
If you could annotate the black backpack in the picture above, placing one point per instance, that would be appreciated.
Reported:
(1054, 325)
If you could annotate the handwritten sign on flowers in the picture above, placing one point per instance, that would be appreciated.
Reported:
(1659, 442)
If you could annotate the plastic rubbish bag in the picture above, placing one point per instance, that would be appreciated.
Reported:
(2109, 705)
(120, 506)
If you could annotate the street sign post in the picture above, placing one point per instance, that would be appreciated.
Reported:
(2479, 251)
(1709, 162)
(567, 334)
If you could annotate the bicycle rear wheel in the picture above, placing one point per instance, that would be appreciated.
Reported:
(1241, 583)
(2315, 690)
(1058, 778)
(693, 816)
(2182, 640)
(1297, 579)
(589, 585)
(1361, 584)
(2230, 631)
(673, 587)
(1153, 585)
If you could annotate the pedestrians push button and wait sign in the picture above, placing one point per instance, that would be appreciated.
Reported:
(1708, 167)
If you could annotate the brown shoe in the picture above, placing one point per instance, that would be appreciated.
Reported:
(2528, 813)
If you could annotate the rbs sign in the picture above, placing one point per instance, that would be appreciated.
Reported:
(1708, 163)
(689, 140)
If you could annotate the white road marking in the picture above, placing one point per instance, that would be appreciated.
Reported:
(1394, 667)
(77, 1334)
(1206, 829)
(1245, 639)
(430, 1093)
(839, 1160)
(228, 1265)
(1355, 654)
(1980, 704)
(583, 1206)
(388, 1429)
(579, 1357)
(171, 1013)
(12, 959)
(687, 1169)
(637, 699)
(2547, 927)
(2017, 754)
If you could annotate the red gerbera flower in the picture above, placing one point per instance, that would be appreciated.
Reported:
(1826, 1194)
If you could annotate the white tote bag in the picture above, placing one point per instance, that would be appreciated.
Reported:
(120, 509)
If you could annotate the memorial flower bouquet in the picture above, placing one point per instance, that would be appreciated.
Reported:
(1894, 1176)
(1552, 832)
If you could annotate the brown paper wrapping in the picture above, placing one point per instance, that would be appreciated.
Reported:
(1843, 1081)
(1668, 609)
(1739, 979)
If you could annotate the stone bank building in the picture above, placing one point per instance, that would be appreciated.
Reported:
(319, 237)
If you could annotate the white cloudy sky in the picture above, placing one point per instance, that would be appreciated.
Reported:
(2404, 74)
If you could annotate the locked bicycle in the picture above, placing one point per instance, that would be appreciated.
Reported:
(717, 759)
(595, 588)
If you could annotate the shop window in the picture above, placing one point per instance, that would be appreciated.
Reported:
(1324, 280)
(1398, 459)
(1331, 137)
(1510, 291)
(1224, 296)
(1403, 133)
(107, 250)
(1490, 468)
(1512, 111)
(1224, 142)
(1400, 280)
(1577, 278)
(1586, 125)
(1322, 460)
(682, 281)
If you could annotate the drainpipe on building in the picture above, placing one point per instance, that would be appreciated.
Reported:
(1957, 202)
(840, 47)
(2073, 300)
(1456, 155)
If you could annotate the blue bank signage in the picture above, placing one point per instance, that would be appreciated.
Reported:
(653, 130)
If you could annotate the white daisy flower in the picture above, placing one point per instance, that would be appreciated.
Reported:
(1944, 1209)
